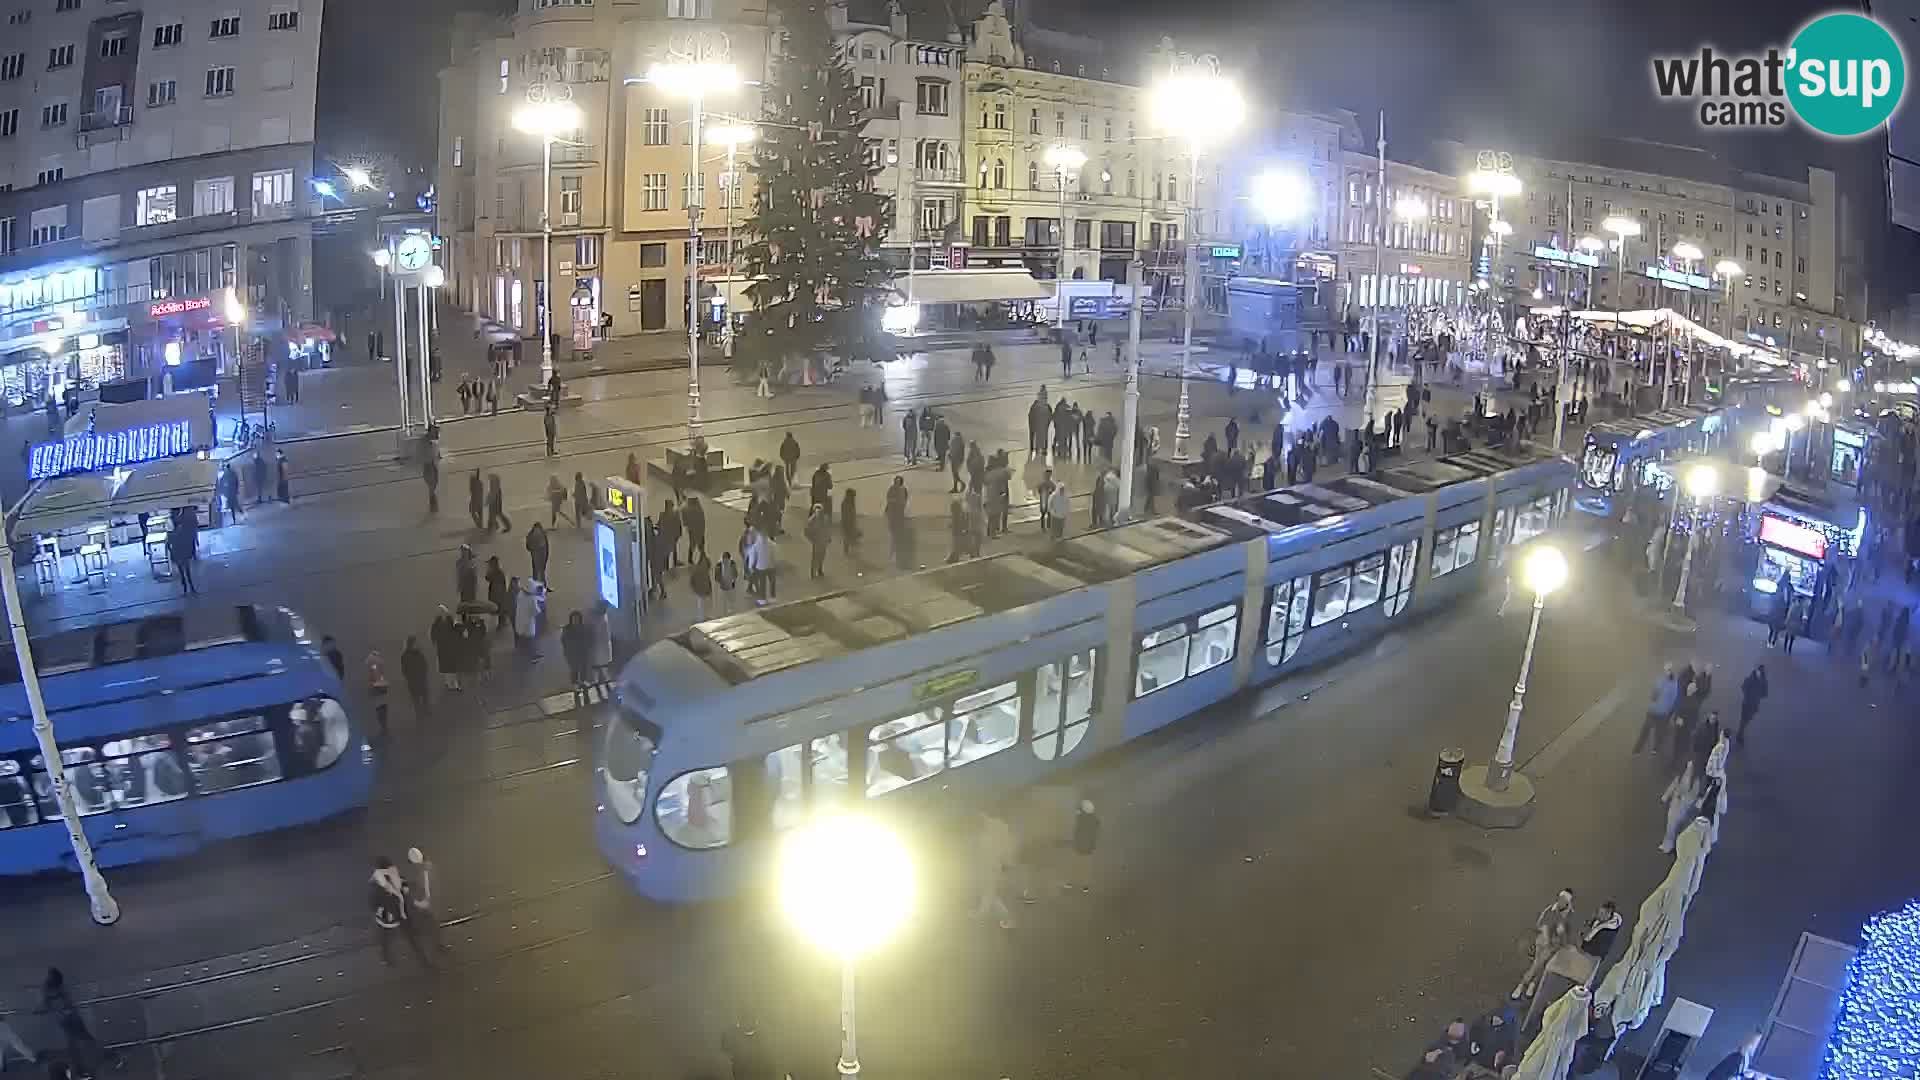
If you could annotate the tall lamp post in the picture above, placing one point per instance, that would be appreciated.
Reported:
(1543, 570)
(1727, 271)
(694, 78)
(1495, 185)
(733, 137)
(1688, 254)
(847, 885)
(548, 120)
(1065, 161)
(1623, 229)
(1194, 101)
(1702, 482)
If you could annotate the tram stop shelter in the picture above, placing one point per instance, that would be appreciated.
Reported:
(103, 496)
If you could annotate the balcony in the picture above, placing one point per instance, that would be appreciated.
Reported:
(927, 174)
(105, 125)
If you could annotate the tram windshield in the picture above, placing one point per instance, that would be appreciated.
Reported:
(631, 741)
(1596, 466)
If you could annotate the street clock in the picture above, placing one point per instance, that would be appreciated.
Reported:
(414, 254)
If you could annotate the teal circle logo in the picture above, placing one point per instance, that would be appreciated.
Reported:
(1845, 74)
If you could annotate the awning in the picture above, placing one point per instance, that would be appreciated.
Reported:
(971, 286)
(155, 487)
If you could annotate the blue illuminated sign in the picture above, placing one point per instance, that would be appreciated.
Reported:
(85, 453)
(607, 560)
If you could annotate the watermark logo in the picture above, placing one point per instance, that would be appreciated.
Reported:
(1843, 75)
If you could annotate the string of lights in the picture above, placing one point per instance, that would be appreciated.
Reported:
(1877, 1033)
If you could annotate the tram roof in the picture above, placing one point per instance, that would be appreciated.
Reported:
(1674, 417)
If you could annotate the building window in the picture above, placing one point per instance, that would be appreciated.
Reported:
(693, 190)
(66, 5)
(12, 67)
(1060, 123)
(1799, 265)
(459, 150)
(653, 256)
(869, 93)
(213, 196)
(569, 194)
(156, 205)
(60, 56)
(586, 251)
(219, 82)
(653, 191)
(931, 97)
(8, 243)
(1106, 181)
(1033, 122)
(1131, 183)
(272, 189)
(225, 26)
(20, 16)
(506, 74)
(162, 92)
(1106, 131)
(283, 19)
(54, 115)
(9, 123)
(48, 226)
(168, 35)
(656, 129)
(689, 9)
(1000, 173)
(52, 176)
(999, 116)
(113, 45)
(1033, 176)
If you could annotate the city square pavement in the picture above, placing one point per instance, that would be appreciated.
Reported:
(1268, 899)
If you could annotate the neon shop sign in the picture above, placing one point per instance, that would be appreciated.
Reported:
(85, 453)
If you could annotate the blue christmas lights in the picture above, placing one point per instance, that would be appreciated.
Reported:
(1876, 1035)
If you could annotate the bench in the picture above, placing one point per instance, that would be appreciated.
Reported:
(721, 473)
(534, 399)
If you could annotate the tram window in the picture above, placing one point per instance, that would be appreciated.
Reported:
(696, 808)
(1469, 547)
(1454, 548)
(983, 723)
(233, 753)
(143, 770)
(789, 786)
(1401, 561)
(1596, 466)
(1330, 591)
(1368, 576)
(1532, 519)
(1060, 719)
(1214, 638)
(1162, 659)
(320, 731)
(1502, 534)
(830, 767)
(904, 751)
(1286, 619)
(629, 754)
(16, 807)
(86, 778)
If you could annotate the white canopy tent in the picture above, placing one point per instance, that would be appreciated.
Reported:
(1661, 318)
(971, 286)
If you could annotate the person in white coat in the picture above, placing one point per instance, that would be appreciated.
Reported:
(529, 614)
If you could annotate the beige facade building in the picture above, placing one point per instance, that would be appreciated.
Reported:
(1425, 258)
(622, 185)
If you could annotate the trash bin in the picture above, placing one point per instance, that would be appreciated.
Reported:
(1445, 794)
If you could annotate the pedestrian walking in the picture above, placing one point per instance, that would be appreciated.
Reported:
(790, 455)
(1086, 838)
(556, 499)
(1057, 507)
(430, 476)
(1796, 620)
(1042, 491)
(476, 499)
(910, 436)
(726, 575)
(576, 646)
(183, 551)
(83, 1048)
(670, 527)
(819, 533)
(281, 488)
(537, 550)
(1753, 691)
(446, 648)
(419, 882)
(377, 688)
(1660, 708)
(956, 458)
(849, 525)
(1552, 928)
(997, 853)
(700, 582)
(582, 500)
(336, 660)
(529, 612)
(413, 672)
(392, 914)
(258, 467)
(466, 577)
(550, 423)
(1682, 797)
(496, 506)
(899, 542)
(693, 520)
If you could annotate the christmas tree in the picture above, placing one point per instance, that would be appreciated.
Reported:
(814, 247)
(1876, 1036)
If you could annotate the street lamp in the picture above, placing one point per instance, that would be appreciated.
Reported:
(236, 313)
(1064, 160)
(846, 884)
(1495, 186)
(357, 177)
(733, 137)
(1623, 229)
(1193, 101)
(1790, 423)
(1702, 482)
(1762, 444)
(548, 120)
(1543, 570)
(694, 79)
(1688, 254)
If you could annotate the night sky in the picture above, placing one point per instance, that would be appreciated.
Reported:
(1521, 75)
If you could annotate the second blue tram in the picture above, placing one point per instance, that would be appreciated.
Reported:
(940, 689)
(177, 730)
(1619, 455)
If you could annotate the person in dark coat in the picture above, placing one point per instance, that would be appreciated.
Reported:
(413, 672)
(281, 489)
(693, 519)
(956, 457)
(1753, 691)
(537, 551)
(550, 422)
(430, 475)
(466, 575)
(849, 524)
(669, 533)
(1038, 417)
(942, 435)
(790, 455)
(1106, 433)
(820, 490)
(910, 436)
(496, 506)
(446, 649)
(497, 594)
(576, 645)
(476, 499)
(582, 499)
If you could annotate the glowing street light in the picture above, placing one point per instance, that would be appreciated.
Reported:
(1280, 196)
(1703, 483)
(382, 258)
(733, 137)
(847, 885)
(1193, 101)
(1543, 570)
(548, 120)
(357, 177)
(1066, 161)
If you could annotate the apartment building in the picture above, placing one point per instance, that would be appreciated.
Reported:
(155, 161)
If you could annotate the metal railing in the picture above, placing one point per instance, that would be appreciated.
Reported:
(119, 116)
(928, 174)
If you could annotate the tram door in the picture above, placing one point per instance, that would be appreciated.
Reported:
(753, 797)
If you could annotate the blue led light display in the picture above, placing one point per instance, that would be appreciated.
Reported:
(1877, 1033)
(90, 451)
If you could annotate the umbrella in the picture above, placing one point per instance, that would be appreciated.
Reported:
(1550, 1055)
(1638, 982)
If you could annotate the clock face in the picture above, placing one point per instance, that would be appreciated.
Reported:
(413, 254)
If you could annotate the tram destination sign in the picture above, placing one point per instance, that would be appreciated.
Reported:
(106, 450)
(942, 685)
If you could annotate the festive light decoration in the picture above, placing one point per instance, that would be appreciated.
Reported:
(1877, 1033)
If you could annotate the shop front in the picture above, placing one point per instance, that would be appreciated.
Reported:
(1847, 452)
(65, 365)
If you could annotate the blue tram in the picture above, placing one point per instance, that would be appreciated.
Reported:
(1620, 454)
(939, 690)
(177, 730)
